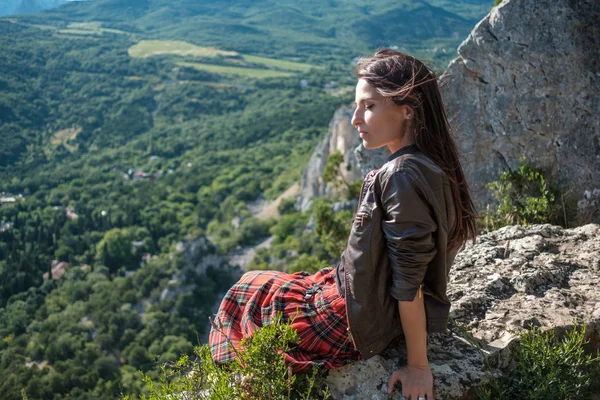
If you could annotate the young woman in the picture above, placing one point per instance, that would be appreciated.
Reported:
(414, 213)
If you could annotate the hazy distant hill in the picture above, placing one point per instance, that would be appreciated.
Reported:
(334, 25)
(9, 7)
(311, 31)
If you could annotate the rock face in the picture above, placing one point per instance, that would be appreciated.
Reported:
(358, 161)
(526, 83)
(512, 279)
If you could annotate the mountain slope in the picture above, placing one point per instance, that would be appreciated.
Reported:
(9, 7)
(130, 129)
(286, 24)
(54, 45)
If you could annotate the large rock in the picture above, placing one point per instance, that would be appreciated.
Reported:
(512, 279)
(358, 161)
(526, 83)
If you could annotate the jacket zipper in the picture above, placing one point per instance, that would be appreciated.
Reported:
(347, 313)
(362, 192)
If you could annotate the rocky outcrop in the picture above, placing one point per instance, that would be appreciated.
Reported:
(526, 83)
(358, 161)
(199, 254)
(512, 279)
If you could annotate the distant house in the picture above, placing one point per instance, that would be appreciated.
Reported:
(139, 175)
(71, 213)
(136, 244)
(156, 175)
(9, 198)
(58, 270)
(146, 257)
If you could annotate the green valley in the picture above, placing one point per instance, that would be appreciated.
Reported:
(130, 131)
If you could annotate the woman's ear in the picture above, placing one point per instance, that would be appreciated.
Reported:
(407, 112)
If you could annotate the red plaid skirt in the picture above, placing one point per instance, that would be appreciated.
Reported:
(311, 302)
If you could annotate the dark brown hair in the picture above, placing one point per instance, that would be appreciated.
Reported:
(407, 81)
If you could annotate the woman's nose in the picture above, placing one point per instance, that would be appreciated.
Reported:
(356, 118)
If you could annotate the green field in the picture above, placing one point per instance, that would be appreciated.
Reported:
(63, 137)
(148, 48)
(89, 28)
(281, 64)
(227, 70)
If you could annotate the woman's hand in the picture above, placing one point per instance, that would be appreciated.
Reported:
(417, 382)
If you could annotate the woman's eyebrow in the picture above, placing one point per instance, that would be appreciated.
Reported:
(364, 99)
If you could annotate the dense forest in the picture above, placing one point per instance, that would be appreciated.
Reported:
(133, 135)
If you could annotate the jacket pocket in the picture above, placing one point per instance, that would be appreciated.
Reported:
(360, 234)
(362, 219)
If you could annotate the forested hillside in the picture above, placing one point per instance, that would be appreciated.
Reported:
(127, 127)
(8, 7)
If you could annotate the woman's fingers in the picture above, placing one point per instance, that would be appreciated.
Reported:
(396, 377)
(416, 383)
(430, 394)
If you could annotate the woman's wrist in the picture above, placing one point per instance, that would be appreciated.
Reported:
(418, 366)
(417, 355)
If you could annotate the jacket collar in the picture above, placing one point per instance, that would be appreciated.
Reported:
(411, 148)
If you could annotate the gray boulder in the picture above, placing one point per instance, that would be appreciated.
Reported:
(511, 280)
(526, 83)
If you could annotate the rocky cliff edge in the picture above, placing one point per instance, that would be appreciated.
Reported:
(512, 279)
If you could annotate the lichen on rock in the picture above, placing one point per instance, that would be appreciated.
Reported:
(526, 83)
(511, 280)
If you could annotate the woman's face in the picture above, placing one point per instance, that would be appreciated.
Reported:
(380, 122)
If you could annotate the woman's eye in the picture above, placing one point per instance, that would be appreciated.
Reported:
(369, 106)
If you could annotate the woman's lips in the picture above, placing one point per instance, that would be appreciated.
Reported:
(362, 133)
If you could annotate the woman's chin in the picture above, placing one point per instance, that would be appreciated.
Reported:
(367, 145)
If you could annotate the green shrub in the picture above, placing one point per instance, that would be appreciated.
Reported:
(306, 263)
(258, 372)
(333, 174)
(524, 197)
(548, 368)
(287, 206)
(332, 228)
(289, 225)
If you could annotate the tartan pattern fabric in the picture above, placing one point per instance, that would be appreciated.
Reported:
(311, 302)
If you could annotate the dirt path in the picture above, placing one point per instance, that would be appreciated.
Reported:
(269, 209)
(261, 209)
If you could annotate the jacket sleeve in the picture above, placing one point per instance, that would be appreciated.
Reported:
(408, 227)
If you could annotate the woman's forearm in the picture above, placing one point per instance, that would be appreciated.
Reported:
(412, 315)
